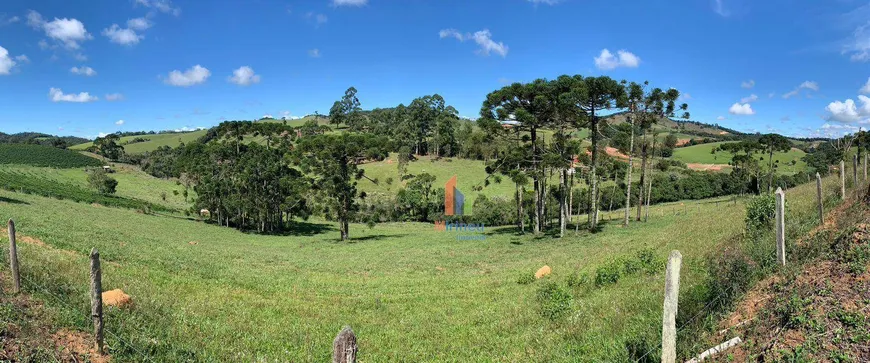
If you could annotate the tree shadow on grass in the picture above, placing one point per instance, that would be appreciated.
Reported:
(13, 201)
(298, 228)
(374, 237)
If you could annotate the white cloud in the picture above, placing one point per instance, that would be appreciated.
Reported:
(123, 36)
(22, 58)
(607, 61)
(244, 76)
(750, 99)
(80, 57)
(84, 71)
(866, 89)
(193, 76)
(770, 95)
(858, 47)
(720, 118)
(349, 2)
(849, 112)
(314, 53)
(6, 63)
(546, 2)
(719, 8)
(6, 21)
(685, 96)
(164, 6)
(112, 97)
(139, 23)
(748, 84)
(286, 115)
(104, 134)
(68, 32)
(56, 95)
(741, 109)
(483, 38)
(444, 33)
(318, 19)
(810, 85)
(119, 122)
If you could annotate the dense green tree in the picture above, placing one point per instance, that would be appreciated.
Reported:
(101, 181)
(334, 161)
(773, 143)
(348, 112)
(108, 147)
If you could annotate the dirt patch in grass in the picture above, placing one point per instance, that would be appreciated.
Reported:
(816, 312)
(28, 332)
(705, 167)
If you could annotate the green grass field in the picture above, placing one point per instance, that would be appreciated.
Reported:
(701, 154)
(132, 183)
(208, 293)
(154, 141)
(38, 155)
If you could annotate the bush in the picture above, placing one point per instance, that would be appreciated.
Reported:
(525, 278)
(555, 301)
(496, 211)
(731, 274)
(102, 182)
(760, 212)
(608, 274)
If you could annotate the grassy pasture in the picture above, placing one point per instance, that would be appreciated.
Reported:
(701, 154)
(154, 141)
(410, 293)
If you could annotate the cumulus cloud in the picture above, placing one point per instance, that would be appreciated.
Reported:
(164, 6)
(314, 53)
(244, 76)
(349, 2)
(849, 111)
(139, 23)
(483, 38)
(123, 36)
(68, 32)
(607, 61)
(83, 71)
(119, 122)
(741, 109)
(193, 76)
(112, 97)
(57, 95)
(6, 63)
(750, 99)
(866, 89)
(810, 85)
(748, 84)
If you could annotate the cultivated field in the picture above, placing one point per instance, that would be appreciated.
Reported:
(154, 141)
(701, 154)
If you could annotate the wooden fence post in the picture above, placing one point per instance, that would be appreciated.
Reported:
(855, 169)
(97, 299)
(842, 180)
(865, 166)
(821, 201)
(13, 258)
(669, 318)
(780, 226)
(344, 347)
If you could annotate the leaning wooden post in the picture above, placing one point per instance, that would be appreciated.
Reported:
(344, 347)
(13, 258)
(97, 299)
(865, 166)
(819, 197)
(842, 180)
(780, 226)
(669, 318)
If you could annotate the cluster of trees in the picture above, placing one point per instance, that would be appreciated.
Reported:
(564, 106)
(744, 160)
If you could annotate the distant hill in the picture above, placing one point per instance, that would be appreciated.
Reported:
(137, 144)
(38, 138)
(695, 128)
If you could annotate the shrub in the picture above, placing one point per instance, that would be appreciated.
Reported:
(577, 280)
(760, 212)
(555, 301)
(731, 273)
(526, 278)
(608, 274)
(102, 182)
(496, 211)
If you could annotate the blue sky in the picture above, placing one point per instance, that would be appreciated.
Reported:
(80, 67)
